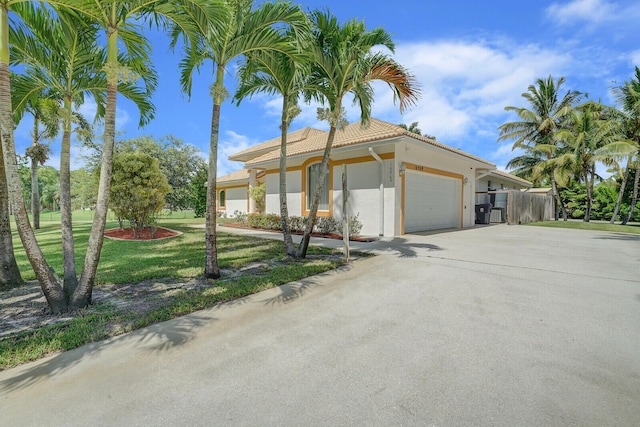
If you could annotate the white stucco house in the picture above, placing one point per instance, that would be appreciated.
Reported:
(398, 182)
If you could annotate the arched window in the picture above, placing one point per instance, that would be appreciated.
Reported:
(222, 199)
(313, 175)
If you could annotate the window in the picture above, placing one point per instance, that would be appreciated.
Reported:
(222, 199)
(313, 175)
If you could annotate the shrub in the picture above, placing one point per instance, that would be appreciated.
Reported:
(296, 223)
(240, 217)
(326, 225)
(354, 225)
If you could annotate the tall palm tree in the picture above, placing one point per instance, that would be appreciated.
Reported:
(628, 95)
(44, 127)
(276, 73)
(61, 56)
(243, 30)
(541, 120)
(585, 130)
(343, 63)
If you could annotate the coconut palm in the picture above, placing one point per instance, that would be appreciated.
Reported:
(343, 63)
(628, 95)
(9, 272)
(243, 30)
(538, 123)
(276, 73)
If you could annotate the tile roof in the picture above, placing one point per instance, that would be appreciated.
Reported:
(353, 134)
(240, 175)
(273, 144)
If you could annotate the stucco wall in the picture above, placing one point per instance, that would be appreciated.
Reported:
(294, 182)
(236, 199)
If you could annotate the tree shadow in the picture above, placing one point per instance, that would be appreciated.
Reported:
(405, 248)
(620, 236)
(160, 337)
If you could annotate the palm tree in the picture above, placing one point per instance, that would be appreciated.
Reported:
(343, 63)
(276, 73)
(9, 272)
(413, 127)
(242, 31)
(37, 152)
(539, 122)
(628, 95)
(61, 56)
(585, 131)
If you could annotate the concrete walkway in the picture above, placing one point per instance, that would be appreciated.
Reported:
(500, 325)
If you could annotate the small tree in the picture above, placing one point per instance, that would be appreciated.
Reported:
(137, 190)
(259, 194)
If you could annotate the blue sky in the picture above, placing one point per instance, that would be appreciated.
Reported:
(470, 58)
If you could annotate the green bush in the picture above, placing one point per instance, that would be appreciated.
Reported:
(323, 225)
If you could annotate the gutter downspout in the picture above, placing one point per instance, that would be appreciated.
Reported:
(379, 160)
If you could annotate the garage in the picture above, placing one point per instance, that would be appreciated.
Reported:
(432, 201)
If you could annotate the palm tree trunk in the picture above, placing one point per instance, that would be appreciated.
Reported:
(211, 268)
(324, 166)
(35, 195)
(70, 278)
(588, 185)
(556, 194)
(623, 185)
(284, 210)
(9, 272)
(51, 288)
(634, 197)
(35, 192)
(82, 295)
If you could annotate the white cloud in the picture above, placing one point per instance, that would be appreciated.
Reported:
(228, 145)
(591, 11)
(635, 58)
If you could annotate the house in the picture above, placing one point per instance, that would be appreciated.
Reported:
(398, 182)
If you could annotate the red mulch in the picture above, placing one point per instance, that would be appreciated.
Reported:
(127, 233)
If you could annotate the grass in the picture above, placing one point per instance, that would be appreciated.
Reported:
(132, 262)
(594, 226)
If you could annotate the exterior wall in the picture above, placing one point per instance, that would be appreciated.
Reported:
(363, 181)
(236, 198)
(498, 184)
(294, 203)
(410, 153)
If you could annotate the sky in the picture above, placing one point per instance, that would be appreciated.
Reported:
(471, 60)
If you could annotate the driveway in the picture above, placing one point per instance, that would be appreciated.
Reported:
(500, 325)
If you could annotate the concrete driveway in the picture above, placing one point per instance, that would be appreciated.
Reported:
(500, 325)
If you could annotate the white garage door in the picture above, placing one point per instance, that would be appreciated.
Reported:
(431, 202)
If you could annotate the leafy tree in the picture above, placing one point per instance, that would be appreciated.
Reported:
(259, 194)
(343, 63)
(178, 161)
(540, 121)
(241, 30)
(83, 189)
(199, 191)
(138, 189)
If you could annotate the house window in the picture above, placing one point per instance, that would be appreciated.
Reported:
(313, 175)
(222, 199)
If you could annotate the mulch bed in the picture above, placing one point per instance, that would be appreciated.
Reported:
(127, 234)
(327, 236)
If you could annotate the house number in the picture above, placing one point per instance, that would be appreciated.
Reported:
(420, 168)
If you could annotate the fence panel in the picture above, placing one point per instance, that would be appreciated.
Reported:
(523, 207)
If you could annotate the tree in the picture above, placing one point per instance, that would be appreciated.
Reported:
(539, 122)
(37, 152)
(276, 73)
(199, 191)
(242, 30)
(178, 161)
(83, 190)
(628, 95)
(343, 63)
(413, 127)
(138, 189)
(9, 272)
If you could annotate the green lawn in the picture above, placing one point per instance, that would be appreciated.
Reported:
(595, 226)
(125, 262)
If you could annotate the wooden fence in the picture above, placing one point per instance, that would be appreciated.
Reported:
(523, 208)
